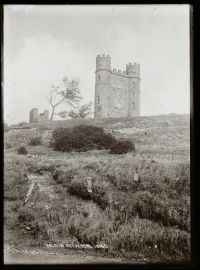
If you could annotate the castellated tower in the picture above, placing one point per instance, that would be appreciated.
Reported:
(117, 93)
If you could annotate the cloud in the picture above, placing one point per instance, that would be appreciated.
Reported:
(48, 43)
(20, 8)
(43, 62)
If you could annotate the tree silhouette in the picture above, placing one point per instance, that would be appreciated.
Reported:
(69, 94)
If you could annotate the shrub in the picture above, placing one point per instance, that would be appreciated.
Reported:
(35, 141)
(181, 183)
(81, 138)
(22, 150)
(43, 128)
(79, 189)
(26, 215)
(147, 206)
(8, 145)
(63, 177)
(41, 230)
(23, 124)
(89, 224)
(100, 196)
(122, 147)
(6, 128)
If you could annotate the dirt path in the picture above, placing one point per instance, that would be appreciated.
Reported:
(40, 184)
(38, 256)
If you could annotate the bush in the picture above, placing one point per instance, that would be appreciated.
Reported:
(7, 145)
(81, 138)
(61, 177)
(6, 128)
(100, 196)
(89, 224)
(35, 141)
(79, 188)
(122, 147)
(26, 215)
(23, 124)
(22, 150)
(43, 128)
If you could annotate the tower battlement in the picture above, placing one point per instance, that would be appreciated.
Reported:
(103, 62)
(120, 72)
(133, 69)
(103, 57)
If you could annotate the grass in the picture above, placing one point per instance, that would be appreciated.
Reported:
(35, 141)
(127, 215)
(140, 234)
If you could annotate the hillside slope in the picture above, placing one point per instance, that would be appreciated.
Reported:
(135, 220)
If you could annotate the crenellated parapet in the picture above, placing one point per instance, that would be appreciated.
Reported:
(103, 57)
(119, 72)
(133, 69)
(103, 62)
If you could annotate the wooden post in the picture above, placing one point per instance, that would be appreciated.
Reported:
(89, 184)
(135, 177)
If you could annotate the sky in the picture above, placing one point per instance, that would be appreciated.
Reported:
(42, 44)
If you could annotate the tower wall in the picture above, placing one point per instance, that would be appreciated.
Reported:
(117, 93)
(102, 86)
(33, 116)
(133, 72)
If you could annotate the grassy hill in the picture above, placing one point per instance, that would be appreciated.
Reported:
(148, 219)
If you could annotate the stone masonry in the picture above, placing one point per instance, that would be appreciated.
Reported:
(36, 117)
(117, 93)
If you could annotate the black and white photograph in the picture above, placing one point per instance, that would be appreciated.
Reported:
(96, 117)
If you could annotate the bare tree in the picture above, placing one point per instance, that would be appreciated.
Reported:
(73, 114)
(69, 94)
(82, 112)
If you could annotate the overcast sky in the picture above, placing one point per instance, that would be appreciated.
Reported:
(44, 43)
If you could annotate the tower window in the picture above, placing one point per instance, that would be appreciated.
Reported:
(134, 84)
(98, 99)
(99, 78)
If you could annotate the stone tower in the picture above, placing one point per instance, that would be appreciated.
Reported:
(33, 115)
(117, 93)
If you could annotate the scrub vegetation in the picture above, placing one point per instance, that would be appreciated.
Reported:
(139, 198)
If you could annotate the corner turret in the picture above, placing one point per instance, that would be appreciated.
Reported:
(103, 62)
(133, 70)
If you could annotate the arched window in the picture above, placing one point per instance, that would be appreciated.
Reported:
(134, 84)
(98, 99)
(99, 78)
